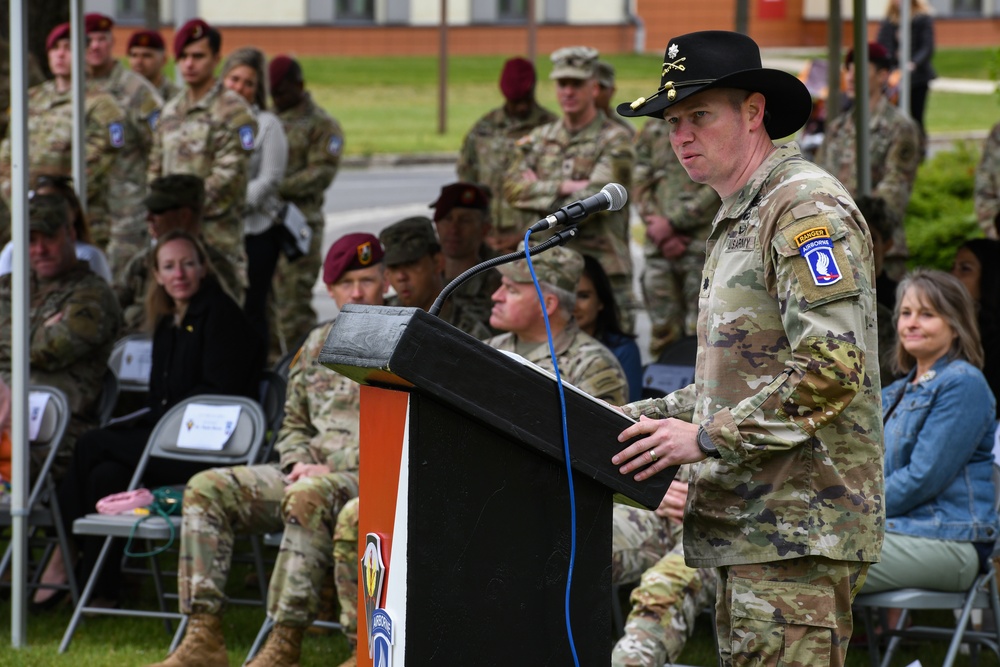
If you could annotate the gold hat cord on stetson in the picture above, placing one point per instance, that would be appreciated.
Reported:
(670, 88)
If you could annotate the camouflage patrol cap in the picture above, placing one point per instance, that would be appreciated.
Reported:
(408, 240)
(573, 62)
(558, 266)
(47, 214)
(605, 74)
(176, 191)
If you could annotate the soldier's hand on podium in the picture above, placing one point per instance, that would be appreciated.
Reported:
(301, 470)
(668, 442)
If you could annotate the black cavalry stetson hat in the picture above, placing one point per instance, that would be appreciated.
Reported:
(720, 59)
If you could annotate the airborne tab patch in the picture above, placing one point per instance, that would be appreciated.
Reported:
(817, 249)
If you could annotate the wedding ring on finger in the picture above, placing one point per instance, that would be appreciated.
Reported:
(652, 454)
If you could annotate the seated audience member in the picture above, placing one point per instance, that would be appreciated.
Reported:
(879, 218)
(174, 203)
(415, 268)
(462, 218)
(977, 265)
(597, 314)
(939, 423)
(86, 251)
(669, 596)
(301, 494)
(244, 73)
(202, 344)
(73, 318)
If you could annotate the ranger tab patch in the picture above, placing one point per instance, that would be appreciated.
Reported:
(817, 249)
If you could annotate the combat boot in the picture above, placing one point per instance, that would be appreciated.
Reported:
(282, 649)
(203, 645)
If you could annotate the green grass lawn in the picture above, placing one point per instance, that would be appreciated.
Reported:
(390, 105)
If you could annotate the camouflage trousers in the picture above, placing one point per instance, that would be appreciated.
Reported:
(293, 316)
(670, 289)
(223, 502)
(792, 613)
(628, 305)
(665, 604)
(345, 566)
(638, 539)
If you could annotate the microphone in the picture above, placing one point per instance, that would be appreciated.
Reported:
(611, 198)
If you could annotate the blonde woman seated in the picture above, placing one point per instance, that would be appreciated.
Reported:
(939, 424)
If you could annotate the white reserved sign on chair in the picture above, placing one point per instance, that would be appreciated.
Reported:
(137, 361)
(37, 400)
(207, 427)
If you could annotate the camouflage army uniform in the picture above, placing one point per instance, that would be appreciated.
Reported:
(486, 154)
(211, 138)
(345, 565)
(35, 77)
(602, 153)
(127, 179)
(74, 323)
(168, 89)
(895, 156)
(321, 426)
(988, 184)
(132, 283)
(670, 287)
(474, 297)
(638, 538)
(315, 144)
(787, 388)
(50, 146)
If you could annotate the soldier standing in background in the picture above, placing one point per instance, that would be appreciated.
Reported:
(987, 192)
(894, 147)
(147, 56)
(605, 72)
(208, 131)
(127, 179)
(784, 414)
(315, 144)
(574, 158)
(50, 134)
(488, 149)
(462, 219)
(677, 213)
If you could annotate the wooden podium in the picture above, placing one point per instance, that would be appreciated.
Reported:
(464, 532)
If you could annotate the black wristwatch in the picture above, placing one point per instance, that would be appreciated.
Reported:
(706, 445)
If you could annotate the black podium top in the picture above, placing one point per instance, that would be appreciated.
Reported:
(410, 350)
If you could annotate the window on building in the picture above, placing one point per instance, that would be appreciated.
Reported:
(964, 8)
(512, 10)
(130, 10)
(356, 10)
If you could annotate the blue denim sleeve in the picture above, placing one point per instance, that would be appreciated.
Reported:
(947, 439)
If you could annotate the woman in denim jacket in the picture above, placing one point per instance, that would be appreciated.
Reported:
(939, 424)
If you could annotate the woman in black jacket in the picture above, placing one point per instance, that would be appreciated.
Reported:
(202, 344)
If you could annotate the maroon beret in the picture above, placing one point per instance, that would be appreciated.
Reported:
(462, 195)
(147, 39)
(95, 22)
(517, 79)
(877, 55)
(278, 70)
(191, 31)
(61, 31)
(350, 253)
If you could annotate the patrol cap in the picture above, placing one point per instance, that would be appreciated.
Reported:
(558, 266)
(61, 31)
(191, 31)
(573, 62)
(517, 79)
(350, 253)
(710, 59)
(408, 240)
(148, 39)
(877, 55)
(460, 195)
(281, 67)
(47, 213)
(94, 22)
(605, 74)
(176, 191)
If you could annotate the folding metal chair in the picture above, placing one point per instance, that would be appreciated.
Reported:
(241, 448)
(982, 594)
(42, 506)
(123, 358)
(110, 388)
